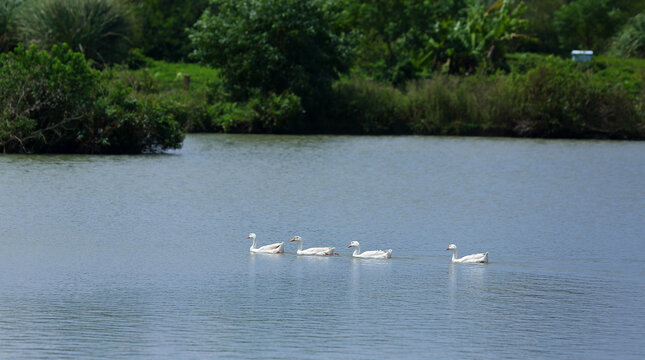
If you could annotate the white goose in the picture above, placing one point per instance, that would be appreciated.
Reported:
(277, 248)
(320, 251)
(373, 254)
(468, 259)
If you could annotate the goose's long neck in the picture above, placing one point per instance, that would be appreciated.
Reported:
(454, 254)
(299, 245)
(357, 251)
(255, 242)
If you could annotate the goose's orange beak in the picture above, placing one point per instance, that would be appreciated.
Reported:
(447, 249)
(293, 239)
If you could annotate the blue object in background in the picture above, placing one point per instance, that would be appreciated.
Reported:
(581, 55)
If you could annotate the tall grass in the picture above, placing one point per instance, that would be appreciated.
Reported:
(100, 29)
(8, 12)
(361, 106)
(451, 105)
(443, 105)
(630, 40)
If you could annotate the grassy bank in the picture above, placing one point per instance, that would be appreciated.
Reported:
(542, 96)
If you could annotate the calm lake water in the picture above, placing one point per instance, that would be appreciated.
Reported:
(146, 257)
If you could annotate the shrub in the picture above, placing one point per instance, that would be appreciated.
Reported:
(53, 102)
(127, 126)
(100, 29)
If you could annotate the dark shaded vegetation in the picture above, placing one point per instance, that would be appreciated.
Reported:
(163, 33)
(542, 96)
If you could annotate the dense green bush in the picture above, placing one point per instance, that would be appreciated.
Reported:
(100, 29)
(127, 126)
(53, 102)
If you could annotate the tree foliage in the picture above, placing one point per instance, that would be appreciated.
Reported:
(270, 46)
(394, 37)
(164, 24)
(539, 16)
(398, 40)
(586, 24)
(482, 35)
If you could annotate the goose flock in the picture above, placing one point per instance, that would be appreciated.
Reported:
(278, 248)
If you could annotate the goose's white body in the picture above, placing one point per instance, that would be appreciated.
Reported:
(317, 251)
(277, 248)
(468, 259)
(372, 254)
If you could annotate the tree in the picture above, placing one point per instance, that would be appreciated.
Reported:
(482, 34)
(402, 39)
(270, 46)
(393, 36)
(586, 24)
(164, 24)
(539, 15)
